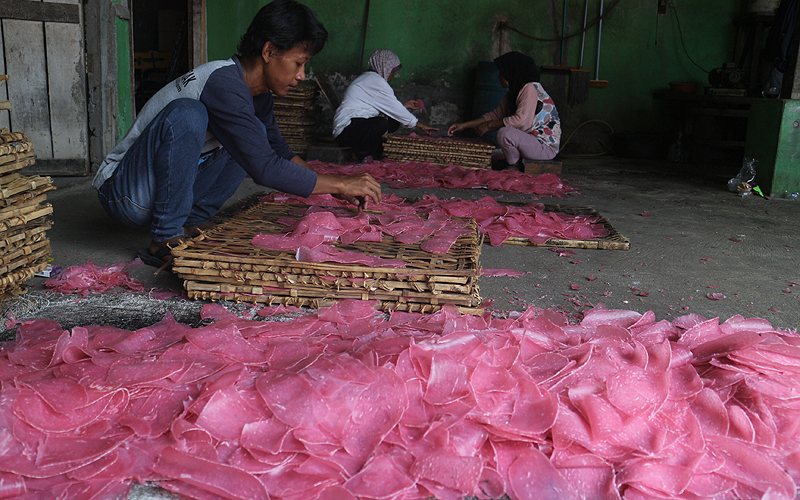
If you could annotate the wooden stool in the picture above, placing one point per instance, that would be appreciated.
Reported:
(536, 167)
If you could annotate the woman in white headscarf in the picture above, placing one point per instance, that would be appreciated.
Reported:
(370, 109)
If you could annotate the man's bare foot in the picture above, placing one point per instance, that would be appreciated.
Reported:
(158, 246)
(159, 253)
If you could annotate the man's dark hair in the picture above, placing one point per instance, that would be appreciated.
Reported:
(285, 23)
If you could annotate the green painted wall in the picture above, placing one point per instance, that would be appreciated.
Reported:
(440, 42)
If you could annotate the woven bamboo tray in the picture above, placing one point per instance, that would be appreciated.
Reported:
(24, 257)
(15, 257)
(299, 122)
(15, 184)
(15, 147)
(24, 235)
(13, 217)
(6, 136)
(437, 159)
(20, 198)
(223, 264)
(613, 241)
(296, 116)
(464, 152)
(12, 283)
(17, 165)
(295, 106)
(16, 157)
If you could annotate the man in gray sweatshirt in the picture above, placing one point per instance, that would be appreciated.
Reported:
(197, 138)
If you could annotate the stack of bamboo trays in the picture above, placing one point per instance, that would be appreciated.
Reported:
(223, 264)
(24, 247)
(296, 114)
(471, 153)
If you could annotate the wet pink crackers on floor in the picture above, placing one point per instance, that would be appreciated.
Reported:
(347, 403)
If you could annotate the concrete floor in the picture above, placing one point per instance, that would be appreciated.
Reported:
(690, 237)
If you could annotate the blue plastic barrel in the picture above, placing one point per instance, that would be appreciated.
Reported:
(488, 92)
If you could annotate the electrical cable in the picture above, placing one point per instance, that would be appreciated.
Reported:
(564, 144)
(680, 33)
(503, 25)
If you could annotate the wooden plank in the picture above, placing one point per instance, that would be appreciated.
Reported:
(67, 90)
(197, 34)
(59, 167)
(27, 86)
(28, 10)
(4, 117)
(536, 167)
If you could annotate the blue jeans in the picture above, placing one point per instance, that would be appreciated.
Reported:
(163, 181)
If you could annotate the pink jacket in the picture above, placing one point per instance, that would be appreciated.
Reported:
(545, 124)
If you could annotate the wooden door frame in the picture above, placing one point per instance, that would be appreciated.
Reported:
(102, 67)
(198, 53)
(101, 71)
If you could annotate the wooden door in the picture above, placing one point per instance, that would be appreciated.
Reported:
(42, 52)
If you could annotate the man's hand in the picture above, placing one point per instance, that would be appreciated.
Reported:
(357, 189)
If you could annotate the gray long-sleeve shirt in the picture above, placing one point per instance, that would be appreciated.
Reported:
(235, 121)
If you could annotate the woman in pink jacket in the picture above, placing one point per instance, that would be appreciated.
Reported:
(526, 121)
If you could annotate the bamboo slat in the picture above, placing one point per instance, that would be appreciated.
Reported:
(12, 137)
(20, 208)
(23, 235)
(23, 184)
(26, 215)
(223, 264)
(34, 194)
(10, 283)
(18, 165)
(18, 253)
(15, 157)
(8, 179)
(25, 259)
(15, 147)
